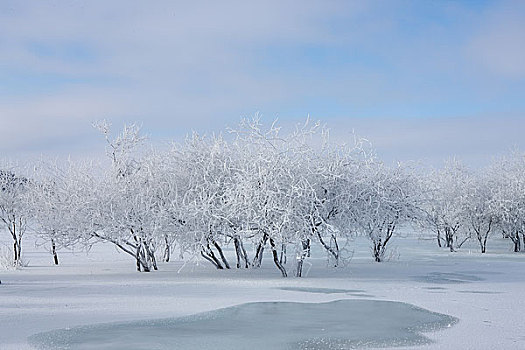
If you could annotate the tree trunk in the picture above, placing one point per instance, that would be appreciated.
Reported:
(299, 271)
(212, 261)
(335, 247)
(458, 246)
(332, 249)
(142, 266)
(516, 240)
(54, 251)
(16, 253)
(242, 257)
(138, 262)
(282, 258)
(221, 254)
(377, 251)
(482, 243)
(151, 256)
(303, 254)
(449, 238)
(257, 259)
(135, 250)
(307, 245)
(167, 249)
(276, 259)
(380, 246)
(208, 254)
(141, 252)
(142, 263)
(482, 237)
(245, 255)
(238, 253)
(16, 233)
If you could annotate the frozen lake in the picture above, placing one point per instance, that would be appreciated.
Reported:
(341, 324)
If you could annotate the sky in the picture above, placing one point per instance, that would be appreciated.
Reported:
(421, 80)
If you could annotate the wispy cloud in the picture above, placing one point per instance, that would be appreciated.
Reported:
(201, 65)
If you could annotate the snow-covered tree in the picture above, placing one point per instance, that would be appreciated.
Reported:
(272, 190)
(445, 192)
(508, 175)
(14, 208)
(388, 198)
(336, 177)
(266, 188)
(205, 167)
(124, 209)
(480, 208)
(51, 201)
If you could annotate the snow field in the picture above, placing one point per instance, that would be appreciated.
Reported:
(482, 291)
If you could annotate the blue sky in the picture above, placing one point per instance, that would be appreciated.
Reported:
(420, 79)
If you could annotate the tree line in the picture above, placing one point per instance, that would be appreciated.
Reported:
(259, 189)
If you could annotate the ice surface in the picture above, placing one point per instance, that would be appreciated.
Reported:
(340, 324)
(448, 278)
(321, 290)
(478, 292)
(351, 292)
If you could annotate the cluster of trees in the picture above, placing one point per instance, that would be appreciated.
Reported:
(460, 204)
(263, 189)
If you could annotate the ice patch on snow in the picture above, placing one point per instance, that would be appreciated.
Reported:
(478, 292)
(352, 292)
(321, 290)
(447, 278)
(263, 325)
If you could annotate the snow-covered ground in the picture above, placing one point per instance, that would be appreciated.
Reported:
(486, 293)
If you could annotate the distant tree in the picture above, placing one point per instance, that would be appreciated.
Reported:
(58, 198)
(508, 174)
(388, 198)
(14, 209)
(336, 176)
(479, 208)
(444, 196)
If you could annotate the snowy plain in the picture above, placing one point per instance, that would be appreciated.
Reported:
(483, 292)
